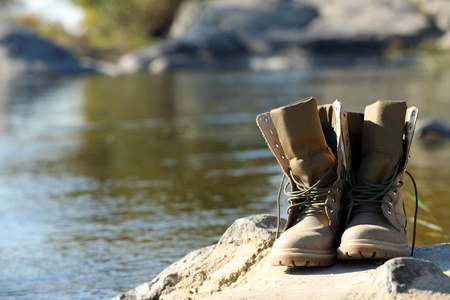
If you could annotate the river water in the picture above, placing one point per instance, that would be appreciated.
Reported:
(106, 181)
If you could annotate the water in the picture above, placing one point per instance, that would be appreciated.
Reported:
(106, 181)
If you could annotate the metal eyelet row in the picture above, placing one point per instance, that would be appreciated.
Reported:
(333, 199)
(271, 131)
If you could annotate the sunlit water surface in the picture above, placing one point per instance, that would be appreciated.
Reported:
(106, 181)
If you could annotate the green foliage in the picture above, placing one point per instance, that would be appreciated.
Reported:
(426, 218)
(421, 202)
(47, 29)
(126, 24)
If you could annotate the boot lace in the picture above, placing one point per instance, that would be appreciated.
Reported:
(369, 197)
(308, 199)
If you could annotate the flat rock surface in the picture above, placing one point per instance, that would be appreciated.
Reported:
(238, 268)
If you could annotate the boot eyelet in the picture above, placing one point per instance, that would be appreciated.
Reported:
(265, 119)
(331, 210)
(390, 201)
(388, 210)
(333, 199)
(271, 131)
(277, 145)
(282, 156)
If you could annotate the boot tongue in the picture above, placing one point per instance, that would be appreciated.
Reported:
(382, 140)
(303, 141)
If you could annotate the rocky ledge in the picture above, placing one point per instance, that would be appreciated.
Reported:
(237, 267)
(283, 34)
(23, 52)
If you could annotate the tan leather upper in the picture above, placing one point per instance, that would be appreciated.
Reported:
(330, 114)
(393, 208)
(395, 211)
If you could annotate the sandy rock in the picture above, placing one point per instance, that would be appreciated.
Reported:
(170, 277)
(209, 269)
(238, 268)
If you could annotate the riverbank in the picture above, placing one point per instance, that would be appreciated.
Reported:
(269, 35)
(237, 267)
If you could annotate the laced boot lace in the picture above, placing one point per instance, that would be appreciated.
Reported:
(307, 199)
(368, 197)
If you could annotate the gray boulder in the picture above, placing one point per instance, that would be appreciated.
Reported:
(23, 52)
(439, 12)
(225, 35)
(399, 274)
(241, 34)
(432, 130)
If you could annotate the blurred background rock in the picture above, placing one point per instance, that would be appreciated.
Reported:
(160, 35)
(106, 180)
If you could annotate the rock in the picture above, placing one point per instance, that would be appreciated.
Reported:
(238, 268)
(23, 52)
(256, 231)
(98, 66)
(211, 268)
(444, 41)
(241, 34)
(431, 130)
(168, 278)
(439, 12)
(187, 14)
(398, 275)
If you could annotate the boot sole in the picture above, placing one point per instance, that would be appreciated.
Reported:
(302, 258)
(369, 249)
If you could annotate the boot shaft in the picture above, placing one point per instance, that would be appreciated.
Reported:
(303, 141)
(380, 141)
(318, 149)
(353, 138)
(306, 140)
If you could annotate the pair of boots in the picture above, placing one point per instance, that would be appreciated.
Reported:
(346, 172)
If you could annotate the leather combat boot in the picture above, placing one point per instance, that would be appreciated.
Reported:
(380, 140)
(306, 141)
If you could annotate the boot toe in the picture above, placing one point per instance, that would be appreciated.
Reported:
(304, 245)
(307, 240)
(374, 233)
(372, 237)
